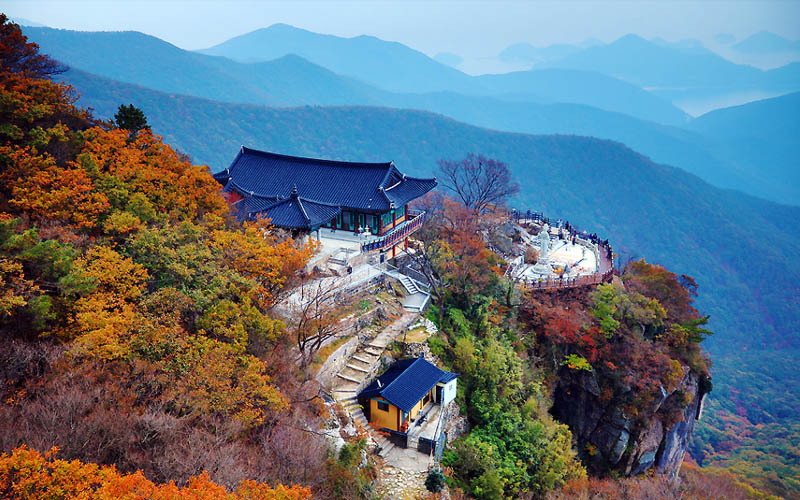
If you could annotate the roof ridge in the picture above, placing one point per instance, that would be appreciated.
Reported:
(318, 202)
(303, 210)
(403, 372)
(421, 178)
(317, 160)
(392, 168)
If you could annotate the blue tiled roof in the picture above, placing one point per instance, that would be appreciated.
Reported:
(367, 187)
(406, 382)
(293, 212)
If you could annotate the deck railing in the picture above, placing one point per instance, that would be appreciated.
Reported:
(566, 231)
(396, 234)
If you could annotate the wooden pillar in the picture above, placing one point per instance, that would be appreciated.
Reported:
(394, 251)
(394, 219)
(355, 224)
(380, 224)
(406, 247)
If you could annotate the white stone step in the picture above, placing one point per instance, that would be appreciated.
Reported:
(348, 378)
(362, 360)
(385, 450)
(356, 368)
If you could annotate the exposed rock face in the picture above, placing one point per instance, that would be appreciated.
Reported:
(609, 440)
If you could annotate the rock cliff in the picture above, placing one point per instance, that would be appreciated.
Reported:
(611, 441)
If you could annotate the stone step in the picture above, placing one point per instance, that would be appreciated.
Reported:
(348, 378)
(357, 368)
(362, 360)
(348, 399)
(372, 353)
(376, 346)
(385, 450)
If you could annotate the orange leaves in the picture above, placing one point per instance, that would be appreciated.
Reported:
(256, 253)
(28, 475)
(170, 183)
(49, 192)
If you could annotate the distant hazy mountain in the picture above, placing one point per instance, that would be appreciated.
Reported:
(448, 58)
(690, 45)
(737, 247)
(388, 65)
(582, 87)
(645, 63)
(145, 60)
(762, 137)
(26, 22)
(134, 57)
(765, 42)
(677, 74)
(291, 80)
(395, 67)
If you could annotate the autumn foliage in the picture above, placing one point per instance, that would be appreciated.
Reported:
(27, 474)
(136, 324)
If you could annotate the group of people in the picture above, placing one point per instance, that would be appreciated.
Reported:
(565, 229)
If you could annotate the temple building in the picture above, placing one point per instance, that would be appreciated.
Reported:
(406, 392)
(367, 200)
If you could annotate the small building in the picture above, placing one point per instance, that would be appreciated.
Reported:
(369, 200)
(405, 392)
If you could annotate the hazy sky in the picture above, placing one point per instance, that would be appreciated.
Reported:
(470, 28)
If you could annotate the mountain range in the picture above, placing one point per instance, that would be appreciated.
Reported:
(540, 101)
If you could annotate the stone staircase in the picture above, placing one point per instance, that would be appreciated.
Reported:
(355, 372)
(418, 295)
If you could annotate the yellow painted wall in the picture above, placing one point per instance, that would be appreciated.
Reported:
(382, 418)
(389, 226)
(418, 407)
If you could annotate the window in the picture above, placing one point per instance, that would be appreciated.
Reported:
(383, 406)
(386, 218)
(401, 211)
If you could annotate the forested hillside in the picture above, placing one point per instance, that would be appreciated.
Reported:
(737, 247)
(762, 133)
(136, 331)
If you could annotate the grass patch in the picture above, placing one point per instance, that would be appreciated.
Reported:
(324, 353)
(417, 335)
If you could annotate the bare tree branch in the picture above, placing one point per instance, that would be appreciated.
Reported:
(478, 181)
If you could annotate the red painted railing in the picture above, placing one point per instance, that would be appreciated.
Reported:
(396, 234)
(577, 281)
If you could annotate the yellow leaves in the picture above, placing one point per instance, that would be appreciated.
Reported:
(26, 474)
(169, 182)
(221, 379)
(114, 274)
(122, 223)
(255, 253)
(674, 376)
(14, 288)
(105, 317)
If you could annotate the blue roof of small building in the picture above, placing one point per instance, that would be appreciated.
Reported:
(367, 187)
(406, 382)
